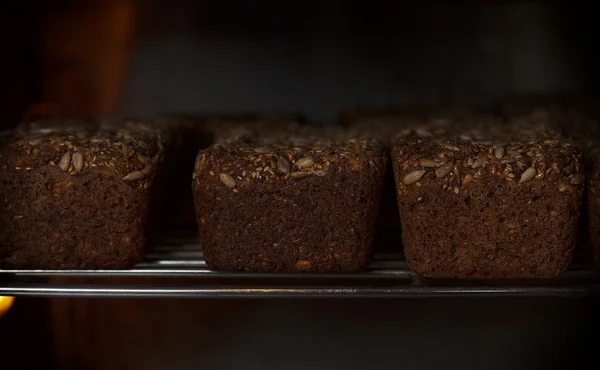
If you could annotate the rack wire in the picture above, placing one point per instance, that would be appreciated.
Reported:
(176, 268)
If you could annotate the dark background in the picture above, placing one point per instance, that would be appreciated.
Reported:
(155, 57)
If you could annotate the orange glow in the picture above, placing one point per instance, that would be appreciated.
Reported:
(5, 304)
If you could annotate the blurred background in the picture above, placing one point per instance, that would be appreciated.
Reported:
(85, 58)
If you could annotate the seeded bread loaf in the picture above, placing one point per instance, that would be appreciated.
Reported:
(78, 194)
(488, 201)
(279, 204)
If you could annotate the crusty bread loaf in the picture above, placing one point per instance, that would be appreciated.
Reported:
(77, 194)
(488, 201)
(287, 203)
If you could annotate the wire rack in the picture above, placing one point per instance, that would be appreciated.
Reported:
(176, 268)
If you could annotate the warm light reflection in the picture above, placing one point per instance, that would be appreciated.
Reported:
(5, 304)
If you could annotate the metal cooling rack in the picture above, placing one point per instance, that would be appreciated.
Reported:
(177, 269)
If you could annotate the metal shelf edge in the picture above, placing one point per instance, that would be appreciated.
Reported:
(174, 291)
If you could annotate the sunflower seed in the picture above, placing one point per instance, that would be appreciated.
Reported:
(135, 175)
(262, 150)
(528, 175)
(65, 161)
(451, 147)
(305, 162)
(320, 173)
(499, 152)
(444, 169)
(480, 161)
(227, 180)
(508, 161)
(78, 161)
(413, 177)
(283, 166)
(299, 174)
(577, 179)
(514, 154)
(146, 160)
(428, 163)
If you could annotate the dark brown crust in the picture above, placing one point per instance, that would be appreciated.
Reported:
(289, 208)
(77, 196)
(478, 203)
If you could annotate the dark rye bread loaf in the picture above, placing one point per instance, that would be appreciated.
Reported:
(77, 194)
(488, 201)
(278, 203)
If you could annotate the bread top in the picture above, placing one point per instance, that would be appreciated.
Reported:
(128, 148)
(280, 155)
(522, 150)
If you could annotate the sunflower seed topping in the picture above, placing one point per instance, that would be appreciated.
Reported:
(428, 163)
(299, 174)
(528, 175)
(305, 162)
(514, 152)
(444, 169)
(227, 180)
(413, 177)
(283, 165)
(77, 161)
(65, 161)
(499, 152)
(134, 176)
